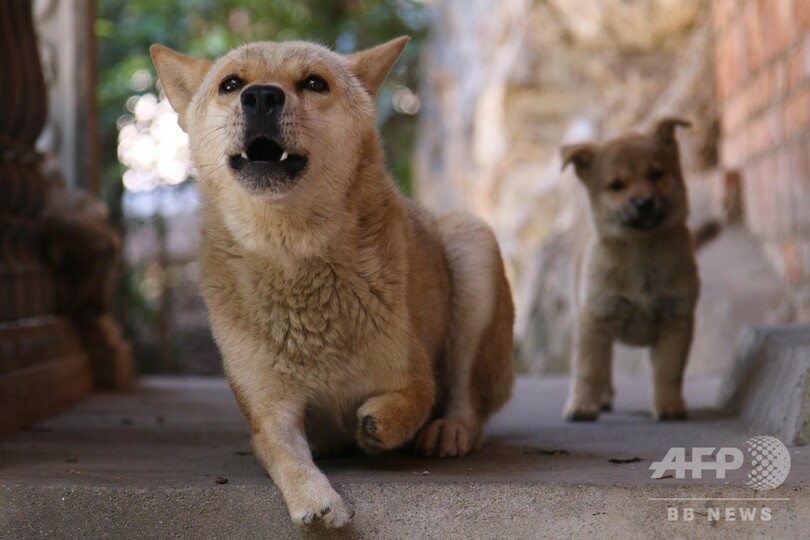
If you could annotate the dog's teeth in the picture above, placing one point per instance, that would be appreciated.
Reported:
(283, 156)
(244, 155)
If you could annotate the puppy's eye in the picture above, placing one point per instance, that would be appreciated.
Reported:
(616, 185)
(231, 83)
(656, 174)
(313, 83)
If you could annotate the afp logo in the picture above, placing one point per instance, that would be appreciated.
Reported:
(768, 457)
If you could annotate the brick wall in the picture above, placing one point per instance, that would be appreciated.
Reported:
(762, 77)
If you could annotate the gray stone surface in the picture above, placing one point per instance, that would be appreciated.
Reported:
(769, 385)
(144, 465)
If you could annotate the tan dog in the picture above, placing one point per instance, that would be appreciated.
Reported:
(638, 281)
(345, 313)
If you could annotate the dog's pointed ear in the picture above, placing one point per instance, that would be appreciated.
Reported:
(665, 128)
(581, 155)
(180, 75)
(372, 65)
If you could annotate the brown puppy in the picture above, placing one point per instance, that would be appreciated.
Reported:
(345, 313)
(638, 281)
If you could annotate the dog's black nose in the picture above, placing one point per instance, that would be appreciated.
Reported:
(644, 206)
(262, 100)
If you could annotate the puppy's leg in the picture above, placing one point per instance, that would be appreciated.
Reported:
(610, 391)
(388, 420)
(591, 378)
(479, 346)
(669, 355)
(280, 445)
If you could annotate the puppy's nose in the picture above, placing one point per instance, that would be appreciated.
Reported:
(262, 100)
(644, 206)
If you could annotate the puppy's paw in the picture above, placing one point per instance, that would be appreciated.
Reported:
(673, 408)
(582, 411)
(607, 401)
(446, 437)
(320, 505)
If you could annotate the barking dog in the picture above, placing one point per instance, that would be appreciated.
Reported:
(344, 312)
(638, 281)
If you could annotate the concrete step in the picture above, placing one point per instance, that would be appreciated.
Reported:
(146, 464)
(769, 386)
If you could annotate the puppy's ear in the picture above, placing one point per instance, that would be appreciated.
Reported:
(582, 156)
(181, 76)
(372, 65)
(665, 128)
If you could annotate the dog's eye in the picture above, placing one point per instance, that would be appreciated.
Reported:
(313, 83)
(231, 83)
(616, 185)
(656, 174)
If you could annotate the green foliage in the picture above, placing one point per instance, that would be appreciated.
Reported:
(209, 28)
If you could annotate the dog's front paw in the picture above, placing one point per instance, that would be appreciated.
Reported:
(445, 437)
(672, 408)
(320, 505)
(368, 434)
(386, 422)
(582, 411)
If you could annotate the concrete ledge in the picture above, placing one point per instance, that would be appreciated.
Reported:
(391, 511)
(768, 385)
(145, 464)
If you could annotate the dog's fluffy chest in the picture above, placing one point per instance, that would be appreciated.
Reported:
(324, 309)
(638, 295)
(317, 316)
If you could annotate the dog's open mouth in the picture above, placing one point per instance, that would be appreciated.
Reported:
(264, 157)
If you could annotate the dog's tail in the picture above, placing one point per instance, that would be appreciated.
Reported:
(706, 232)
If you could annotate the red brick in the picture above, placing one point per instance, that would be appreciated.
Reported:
(721, 77)
(729, 117)
(776, 17)
(755, 199)
(794, 260)
(718, 16)
(790, 261)
(802, 15)
(773, 128)
(797, 113)
(781, 215)
(768, 208)
(799, 195)
(724, 11)
(762, 91)
(738, 54)
(729, 155)
(730, 58)
(803, 249)
(724, 74)
(796, 69)
(755, 140)
(779, 76)
(799, 63)
(755, 35)
(805, 150)
(749, 190)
